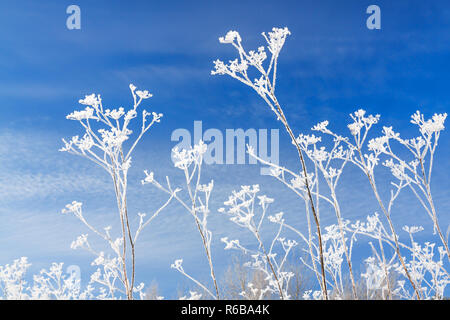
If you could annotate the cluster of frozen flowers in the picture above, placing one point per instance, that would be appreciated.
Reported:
(241, 208)
(423, 274)
(411, 271)
(54, 283)
(190, 161)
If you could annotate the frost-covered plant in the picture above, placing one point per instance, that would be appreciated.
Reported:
(197, 204)
(55, 284)
(109, 142)
(395, 269)
(368, 160)
(241, 208)
(264, 85)
(12, 282)
(328, 165)
(428, 272)
(375, 229)
(415, 173)
(348, 152)
(51, 284)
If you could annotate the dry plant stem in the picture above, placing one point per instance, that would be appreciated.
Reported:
(133, 255)
(430, 201)
(430, 198)
(341, 230)
(316, 218)
(213, 276)
(386, 274)
(391, 226)
(107, 151)
(427, 192)
(124, 266)
(130, 237)
(310, 244)
(394, 234)
(308, 218)
(270, 265)
(337, 210)
(202, 235)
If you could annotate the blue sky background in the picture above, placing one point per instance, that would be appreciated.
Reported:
(330, 66)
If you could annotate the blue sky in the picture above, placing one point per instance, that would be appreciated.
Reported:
(330, 66)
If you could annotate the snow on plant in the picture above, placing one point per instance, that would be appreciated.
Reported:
(426, 270)
(359, 130)
(416, 173)
(406, 172)
(376, 282)
(329, 164)
(408, 175)
(395, 269)
(109, 142)
(12, 282)
(47, 285)
(348, 152)
(429, 273)
(190, 162)
(55, 284)
(264, 85)
(241, 208)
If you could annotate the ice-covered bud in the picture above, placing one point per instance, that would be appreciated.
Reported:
(263, 200)
(230, 244)
(219, 68)
(305, 140)
(207, 188)
(412, 229)
(378, 145)
(79, 242)
(256, 58)
(261, 85)
(149, 177)
(299, 181)
(321, 126)
(355, 128)
(115, 114)
(157, 116)
(276, 39)
(178, 264)
(237, 67)
(320, 155)
(85, 114)
(388, 132)
(143, 94)
(230, 37)
(73, 207)
(90, 100)
(277, 218)
(435, 124)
